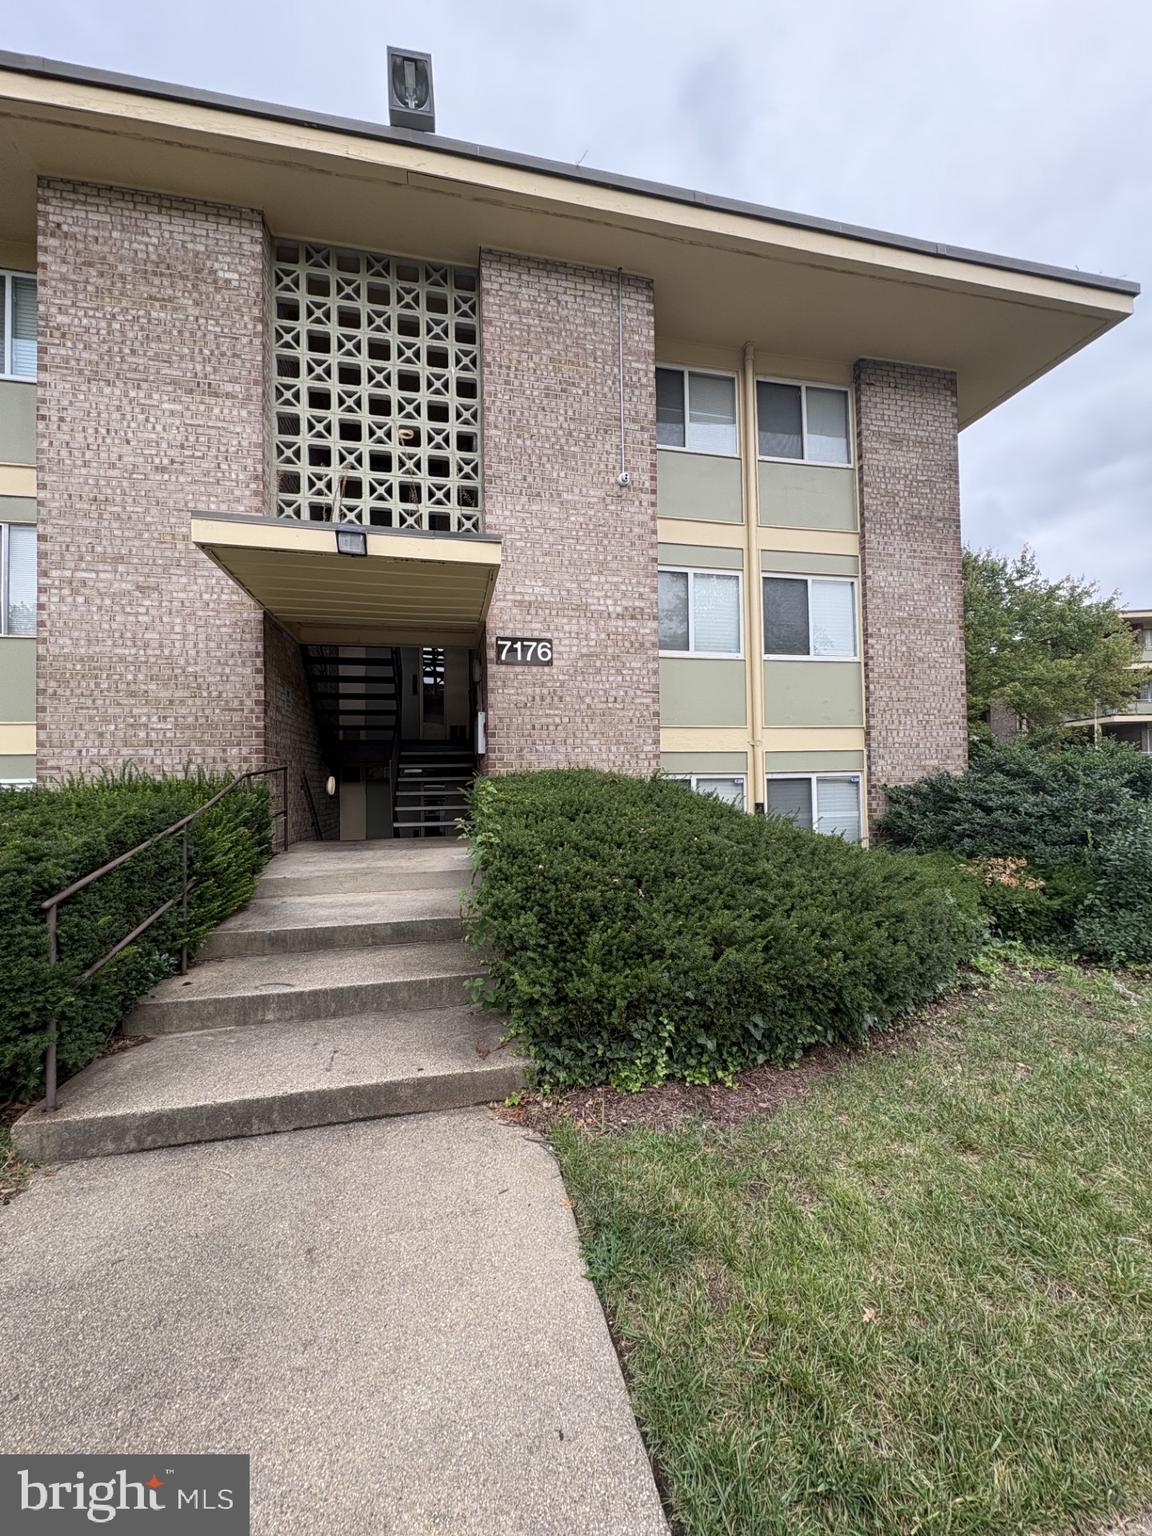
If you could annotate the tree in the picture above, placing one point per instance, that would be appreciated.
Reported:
(1048, 651)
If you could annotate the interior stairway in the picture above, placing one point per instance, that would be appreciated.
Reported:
(432, 786)
(355, 698)
(339, 993)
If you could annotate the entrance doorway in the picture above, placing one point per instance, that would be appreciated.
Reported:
(397, 730)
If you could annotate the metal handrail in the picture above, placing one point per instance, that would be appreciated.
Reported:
(316, 827)
(51, 907)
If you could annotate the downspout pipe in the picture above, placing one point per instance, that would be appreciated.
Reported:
(754, 607)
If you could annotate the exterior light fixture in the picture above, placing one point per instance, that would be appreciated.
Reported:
(351, 541)
(410, 101)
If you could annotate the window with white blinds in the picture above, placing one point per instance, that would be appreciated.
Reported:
(819, 802)
(696, 410)
(726, 787)
(805, 422)
(17, 325)
(700, 613)
(17, 579)
(838, 808)
(810, 617)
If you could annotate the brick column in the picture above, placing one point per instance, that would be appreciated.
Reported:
(579, 551)
(912, 585)
(151, 407)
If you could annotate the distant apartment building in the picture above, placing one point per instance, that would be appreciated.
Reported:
(390, 457)
(1134, 723)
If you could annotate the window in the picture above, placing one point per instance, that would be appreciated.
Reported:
(808, 422)
(811, 617)
(828, 803)
(17, 579)
(726, 787)
(17, 325)
(700, 613)
(696, 411)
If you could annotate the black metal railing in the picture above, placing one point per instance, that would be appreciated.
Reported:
(313, 812)
(51, 907)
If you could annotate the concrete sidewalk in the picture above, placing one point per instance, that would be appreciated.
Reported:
(390, 1317)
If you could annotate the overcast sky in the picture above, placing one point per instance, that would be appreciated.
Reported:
(1017, 126)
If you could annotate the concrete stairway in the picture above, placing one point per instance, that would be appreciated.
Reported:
(339, 993)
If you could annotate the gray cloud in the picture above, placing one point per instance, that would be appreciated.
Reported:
(1021, 126)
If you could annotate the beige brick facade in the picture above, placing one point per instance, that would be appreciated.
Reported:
(151, 405)
(291, 737)
(579, 555)
(912, 582)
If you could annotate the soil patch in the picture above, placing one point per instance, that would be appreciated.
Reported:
(756, 1092)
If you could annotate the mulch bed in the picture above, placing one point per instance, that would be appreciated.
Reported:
(756, 1092)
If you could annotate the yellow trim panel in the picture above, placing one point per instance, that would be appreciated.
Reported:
(17, 738)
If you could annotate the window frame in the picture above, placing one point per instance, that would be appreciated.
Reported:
(812, 778)
(690, 780)
(852, 581)
(703, 570)
(684, 369)
(8, 304)
(804, 385)
(5, 581)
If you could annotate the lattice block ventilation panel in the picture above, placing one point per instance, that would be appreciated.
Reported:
(377, 390)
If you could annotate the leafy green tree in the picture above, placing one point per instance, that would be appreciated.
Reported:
(1048, 651)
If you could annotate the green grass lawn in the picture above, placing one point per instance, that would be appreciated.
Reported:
(917, 1300)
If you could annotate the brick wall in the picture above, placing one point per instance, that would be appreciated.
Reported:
(913, 610)
(151, 405)
(291, 736)
(579, 551)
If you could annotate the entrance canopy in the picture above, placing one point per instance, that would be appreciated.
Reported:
(425, 588)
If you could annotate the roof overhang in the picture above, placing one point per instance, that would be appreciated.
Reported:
(420, 588)
(725, 272)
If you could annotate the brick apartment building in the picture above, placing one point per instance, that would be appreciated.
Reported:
(376, 453)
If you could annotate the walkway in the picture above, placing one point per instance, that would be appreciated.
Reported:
(389, 1316)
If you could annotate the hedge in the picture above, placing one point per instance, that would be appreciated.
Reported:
(1058, 841)
(52, 836)
(634, 930)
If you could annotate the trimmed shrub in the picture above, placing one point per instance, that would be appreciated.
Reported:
(636, 931)
(1114, 922)
(1077, 819)
(52, 836)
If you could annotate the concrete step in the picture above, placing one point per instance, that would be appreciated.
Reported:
(220, 1083)
(335, 869)
(289, 924)
(273, 989)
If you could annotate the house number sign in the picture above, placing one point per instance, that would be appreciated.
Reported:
(524, 653)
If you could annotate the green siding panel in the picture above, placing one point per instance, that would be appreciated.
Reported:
(807, 496)
(707, 555)
(784, 560)
(701, 692)
(17, 767)
(17, 509)
(813, 762)
(17, 422)
(703, 762)
(17, 679)
(813, 693)
(702, 486)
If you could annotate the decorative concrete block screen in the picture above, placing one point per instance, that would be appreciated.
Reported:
(377, 390)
